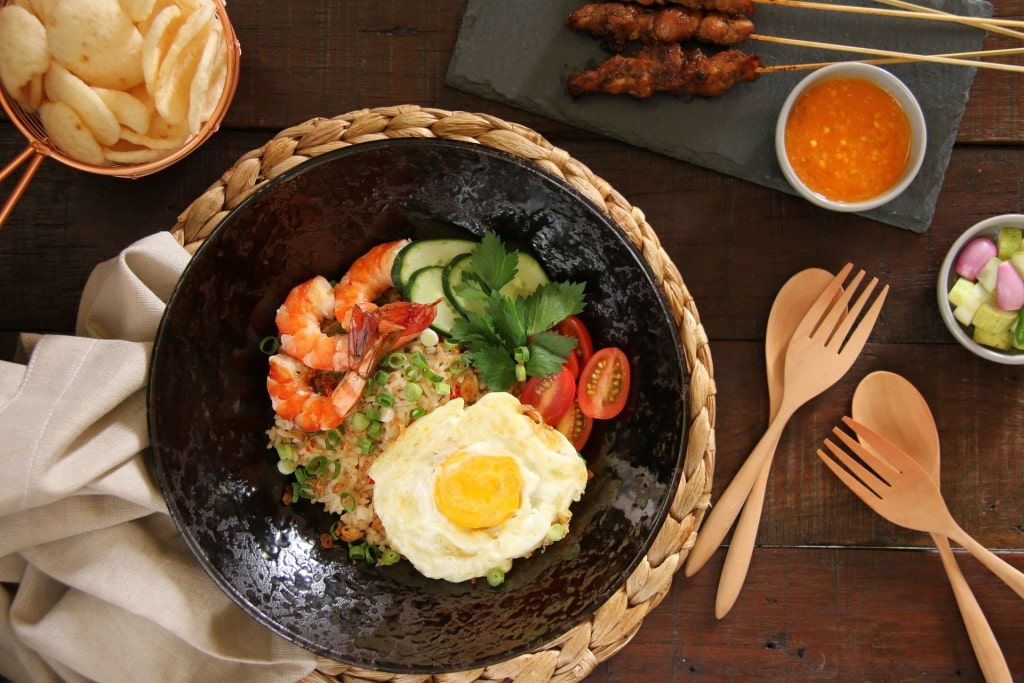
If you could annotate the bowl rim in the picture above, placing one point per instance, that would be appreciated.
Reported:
(672, 486)
(907, 101)
(944, 281)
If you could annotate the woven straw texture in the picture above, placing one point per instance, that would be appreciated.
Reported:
(575, 655)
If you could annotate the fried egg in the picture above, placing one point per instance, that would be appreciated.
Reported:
(465, 490)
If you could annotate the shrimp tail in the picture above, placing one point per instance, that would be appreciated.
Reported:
(375, 332)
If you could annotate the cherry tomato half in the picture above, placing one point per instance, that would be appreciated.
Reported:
(604, 384)
(551, 395)
(576, 426)
(574, 327)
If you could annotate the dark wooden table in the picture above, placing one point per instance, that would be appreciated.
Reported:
(834, 592)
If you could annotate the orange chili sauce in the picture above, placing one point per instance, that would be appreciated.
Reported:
(848, 139)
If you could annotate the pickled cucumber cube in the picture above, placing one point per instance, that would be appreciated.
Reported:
(965, 311)
(1009, 241)
(1017, 259)
(991, 318)
(996, 340)
(988, 275)
(960, 291)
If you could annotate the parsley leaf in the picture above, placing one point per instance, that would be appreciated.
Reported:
(496, 366)
(550, 304)
(507, 319)
(548, 351)
(512, 338)
(493, 266)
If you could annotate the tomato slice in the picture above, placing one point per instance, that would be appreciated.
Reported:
(551, 395)
(574, 327)
(604, 384)
(576, 426)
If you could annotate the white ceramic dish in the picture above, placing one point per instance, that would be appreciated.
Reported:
(986, 228)
(892, 85)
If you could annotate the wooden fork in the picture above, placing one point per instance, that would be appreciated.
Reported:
(892, 484)
(824, 346)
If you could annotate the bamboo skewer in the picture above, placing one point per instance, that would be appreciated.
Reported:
(938, 59)
(897, 60)
(975, 22)
(987, 25)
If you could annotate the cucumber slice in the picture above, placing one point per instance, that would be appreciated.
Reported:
(452, 278)
(423, 254)
(427, 286)
(529, 276)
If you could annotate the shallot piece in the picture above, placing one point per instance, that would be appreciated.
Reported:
(973, 257)
(1009, 287)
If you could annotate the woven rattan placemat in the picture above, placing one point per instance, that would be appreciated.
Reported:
(573, 656)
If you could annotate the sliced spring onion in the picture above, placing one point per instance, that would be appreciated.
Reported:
(458, 366)
(389, 556)
(359, 422)
(300, 475)
(315, 465)
(428, 337)
(384, 399)
(373, 431)
(307, 491)
(387, 415)
(443, 388)
(269, 345)
(332, 470)
(348, 501)
(433, 376)
(495, 577)
(412, 373)
(286, 466)
(373, 414)
(285, 451)
(332, 439)
(419, 359)
(396, 359)
(357, 551)
(417, 413)
(380, 378)
(521, 354)
(413, 392)
(365, 444)
(556, 532)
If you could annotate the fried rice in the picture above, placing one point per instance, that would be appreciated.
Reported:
(330, 467)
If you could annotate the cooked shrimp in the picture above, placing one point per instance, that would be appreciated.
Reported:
(294, 398)
(293, 385)
(367, 279)
(300, 321)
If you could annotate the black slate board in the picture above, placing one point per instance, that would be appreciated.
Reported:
(520, 53)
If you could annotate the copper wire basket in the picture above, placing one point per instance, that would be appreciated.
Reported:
(40, 146)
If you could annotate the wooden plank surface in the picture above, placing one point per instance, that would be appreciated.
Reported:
(835, 593)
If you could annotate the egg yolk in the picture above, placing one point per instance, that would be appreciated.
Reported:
(477, 491)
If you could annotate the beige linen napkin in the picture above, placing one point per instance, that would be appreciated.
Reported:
(95, 582)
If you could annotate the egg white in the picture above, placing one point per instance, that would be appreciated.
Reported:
(554, 476)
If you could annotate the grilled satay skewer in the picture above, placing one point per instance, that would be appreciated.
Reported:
(618, 23)
(726, 6)
(668, 68)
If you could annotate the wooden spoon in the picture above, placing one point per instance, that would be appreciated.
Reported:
(893, 407)
(790, 305)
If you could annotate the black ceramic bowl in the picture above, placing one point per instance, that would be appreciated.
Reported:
(209, 410)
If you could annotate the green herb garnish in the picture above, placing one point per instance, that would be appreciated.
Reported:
(512, 338)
